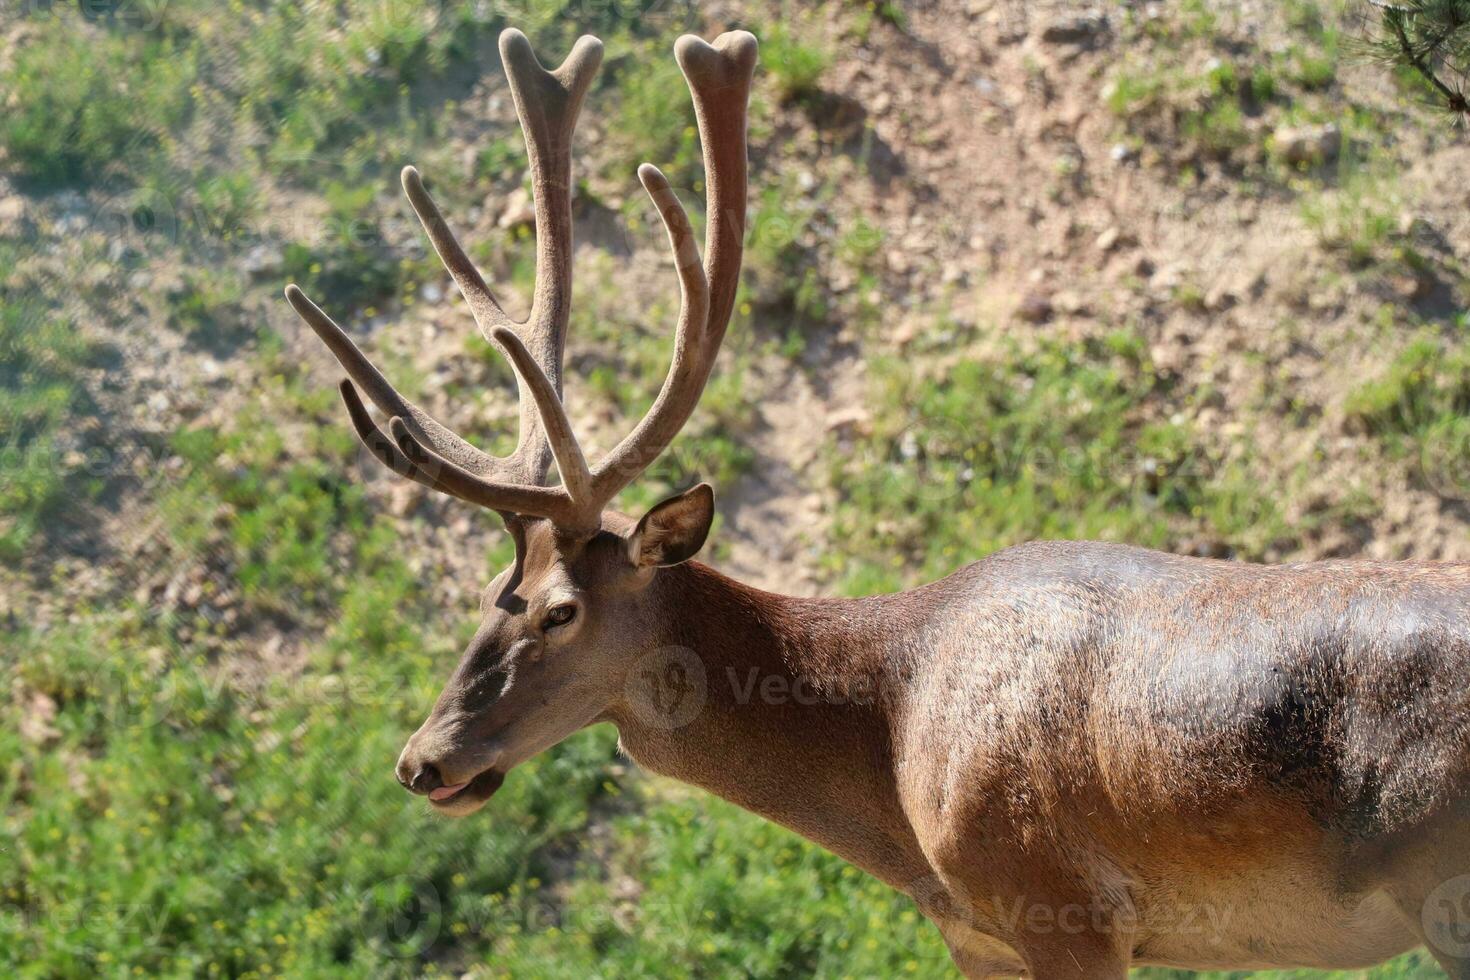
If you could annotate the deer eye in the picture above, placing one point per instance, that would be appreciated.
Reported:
(559, 615)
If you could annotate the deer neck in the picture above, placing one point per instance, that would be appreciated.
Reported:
(785, 706)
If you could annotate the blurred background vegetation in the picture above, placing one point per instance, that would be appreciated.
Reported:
(1176, 274)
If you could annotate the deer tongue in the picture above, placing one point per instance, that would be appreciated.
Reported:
(445, 792)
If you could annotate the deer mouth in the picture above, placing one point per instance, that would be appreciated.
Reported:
(474, 791)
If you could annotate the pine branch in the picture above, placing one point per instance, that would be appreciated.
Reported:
(1420, 33)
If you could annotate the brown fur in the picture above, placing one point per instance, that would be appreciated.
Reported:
(1069, 752)
(1075, 757)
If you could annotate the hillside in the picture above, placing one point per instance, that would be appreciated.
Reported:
(1186, 275)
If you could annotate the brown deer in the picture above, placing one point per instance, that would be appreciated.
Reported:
(1076, 757)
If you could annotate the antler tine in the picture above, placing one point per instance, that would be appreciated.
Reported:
(378, 443)
(547, 104)
(512, 498)
(685, 380)
(719, 78)
(483, 305)
(570, 462)
(383, 394)
(421, 448)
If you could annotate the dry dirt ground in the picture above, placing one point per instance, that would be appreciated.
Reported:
(978, 140)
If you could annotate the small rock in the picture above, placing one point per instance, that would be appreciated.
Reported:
(71, 201)
(986, 87)
(1411, 287)
(1070, 302)
(1078, 29)
(268, 742)
(262, 261)
(1108, 240)
(12, 211)
(519, 209)
(849, 422)
(1009, 27)
(906, 333)
(1167, 279)
(1301, 145)
(1122, 153)
(1220, 297)
(1035, 307)
(38, 712)
(1410, 223)
(405, 498)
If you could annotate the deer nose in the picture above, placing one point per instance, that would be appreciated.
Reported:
(423, 781)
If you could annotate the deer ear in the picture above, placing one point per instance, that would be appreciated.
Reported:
(673, 530)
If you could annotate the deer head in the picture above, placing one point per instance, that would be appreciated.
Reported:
(561, 627)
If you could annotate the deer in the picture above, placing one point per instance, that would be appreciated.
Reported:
(1075, 757)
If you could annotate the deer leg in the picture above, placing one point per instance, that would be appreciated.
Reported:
(1074, 939)
(1438, 911)
(976, 955)
(1076, 961)
(1444, 925)
(1430, 883)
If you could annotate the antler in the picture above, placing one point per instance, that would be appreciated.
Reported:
(547, 103)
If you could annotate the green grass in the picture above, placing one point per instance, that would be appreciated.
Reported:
(1357, 219)
(42, 362)
(114, 110)
(211, 805)
(711, 877)
(1419, 408)
(1186, 87)
(1045, 443)
(1427, 384)
(181, 827)
(650, 121)
(794, 65)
